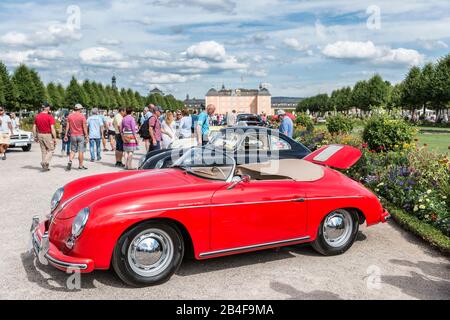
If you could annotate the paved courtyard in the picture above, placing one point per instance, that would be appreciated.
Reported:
(385, 262)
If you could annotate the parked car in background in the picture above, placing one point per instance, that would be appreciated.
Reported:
(249, 120)
(245, 144)
(143, 223)
(21, 139)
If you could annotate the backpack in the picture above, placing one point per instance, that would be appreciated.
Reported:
(144, 130)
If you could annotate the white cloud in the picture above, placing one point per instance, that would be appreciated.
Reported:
(47, 54)
(165, 78)
(210, 50)
(110, 42)
(430, 44)
(156, 54)
(54, 35)
(34, 58)
(295, 44)
(99, 54)
(210, 5)
(106, 58)
(354, 50)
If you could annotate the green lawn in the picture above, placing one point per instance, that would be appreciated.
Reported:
(439, 142)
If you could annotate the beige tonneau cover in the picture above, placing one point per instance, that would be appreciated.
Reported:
(295, 169)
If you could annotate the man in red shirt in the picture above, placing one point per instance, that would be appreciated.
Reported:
(77, 125)
(45, 133)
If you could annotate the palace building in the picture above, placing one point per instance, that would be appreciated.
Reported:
(242, 100)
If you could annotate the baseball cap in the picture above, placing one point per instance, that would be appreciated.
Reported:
(280, 113)
(158, 108)
(78, 106)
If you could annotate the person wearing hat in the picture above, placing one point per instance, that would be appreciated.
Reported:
(77, 125)
(286, 126)
(154, 128)
(45, 133)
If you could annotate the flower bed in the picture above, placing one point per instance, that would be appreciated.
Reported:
(413, 180)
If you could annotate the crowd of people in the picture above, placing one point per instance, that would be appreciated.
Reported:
(121, 131)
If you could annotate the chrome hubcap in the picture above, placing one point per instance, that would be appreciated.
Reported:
(337, 228)
(150, 252)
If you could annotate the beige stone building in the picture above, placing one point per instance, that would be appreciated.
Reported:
(242, 100)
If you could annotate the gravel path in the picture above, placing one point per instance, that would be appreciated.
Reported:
(384, 263)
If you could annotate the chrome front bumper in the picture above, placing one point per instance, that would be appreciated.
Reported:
(41, 248)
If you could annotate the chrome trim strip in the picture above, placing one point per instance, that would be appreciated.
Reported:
(235, 204)
(212, 253)
(54, 261)
(209, 206)
(337, 197)
(77, 196)
(63, 264)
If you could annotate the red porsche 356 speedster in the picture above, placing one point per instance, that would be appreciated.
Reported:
(141, 223)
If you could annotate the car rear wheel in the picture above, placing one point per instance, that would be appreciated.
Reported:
(336, 233)
(148, 254)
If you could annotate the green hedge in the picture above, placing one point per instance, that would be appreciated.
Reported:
(420, 228)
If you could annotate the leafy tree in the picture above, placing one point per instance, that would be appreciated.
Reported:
(39, 91)
(377, 91)
(441, 83)
(8, 89)
(412, 89)
(25, 90)
(360, 98)
(54, 94)
(74, 94)
(395, 96)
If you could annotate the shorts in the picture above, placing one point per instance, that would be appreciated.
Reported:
(77, 144)
(111, 133)
(119, 143)
(4, 138)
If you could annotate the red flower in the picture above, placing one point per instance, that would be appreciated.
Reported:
(365, 145)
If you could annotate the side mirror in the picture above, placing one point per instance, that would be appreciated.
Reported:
(236, 180)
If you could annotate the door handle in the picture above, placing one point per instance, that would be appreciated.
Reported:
(299, 200)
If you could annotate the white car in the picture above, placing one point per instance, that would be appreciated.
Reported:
(21, 139)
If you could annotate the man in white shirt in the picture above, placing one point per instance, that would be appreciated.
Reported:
(6, 128)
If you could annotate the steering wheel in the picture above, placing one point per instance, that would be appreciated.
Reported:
(220, 170)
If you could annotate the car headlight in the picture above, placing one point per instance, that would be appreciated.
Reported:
(57, 196)
(80, 222)
(159, 164)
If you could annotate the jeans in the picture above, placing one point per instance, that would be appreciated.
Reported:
(65, 146)
(97, 143)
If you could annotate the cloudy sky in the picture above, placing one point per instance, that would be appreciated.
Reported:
(294, 47)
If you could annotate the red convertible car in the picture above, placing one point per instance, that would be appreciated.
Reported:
(142, 223)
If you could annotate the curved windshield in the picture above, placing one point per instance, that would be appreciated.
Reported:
(227, 140)
(207, 163)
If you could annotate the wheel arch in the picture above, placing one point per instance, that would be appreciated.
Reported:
(181, 228)
(359, 212)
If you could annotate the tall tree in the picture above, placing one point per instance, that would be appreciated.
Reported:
(25, 91)
(441, 83)
(9, 93)
(74, 94)
(377, 91)
(39, 90)
(412, 89)
(360, 98)
(54, 95)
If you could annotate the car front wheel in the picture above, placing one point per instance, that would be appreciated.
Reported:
(336, 233)
(148, 254)
(27, 148)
